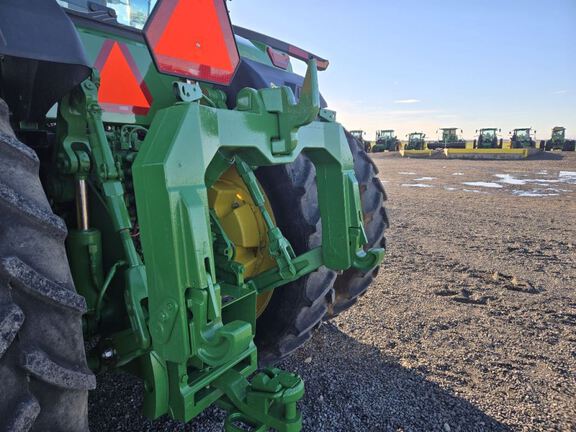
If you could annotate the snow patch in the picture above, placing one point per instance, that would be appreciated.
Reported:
(474, 191)
(534, 193)
(457, 174)
(407, 173)
(484, 184)
(420, 185)
(509, 179)
(425, 178)
(567, 177)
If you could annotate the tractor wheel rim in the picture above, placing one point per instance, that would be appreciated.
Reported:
(244, 224)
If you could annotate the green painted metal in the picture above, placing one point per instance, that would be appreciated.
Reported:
(165, 296)
(522, 138)
(359, 136)
(449, 139)
(416, 141)
(558, 140)
(487, 138)
(386, 140)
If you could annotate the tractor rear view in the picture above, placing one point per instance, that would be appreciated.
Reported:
(488, 139)
(416, 141)
(175, 202)
(386, 140)
(558, 140)
(450, 139)
(522, 138)
(358, 135)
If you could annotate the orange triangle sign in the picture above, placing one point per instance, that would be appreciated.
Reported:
(122, 89)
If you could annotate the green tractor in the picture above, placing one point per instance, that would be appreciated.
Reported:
(386, 140)
(450, 139)
(488, 139)
(359, 136)
(416, 141)
(558, 141)
(522, 138)
(174, 202)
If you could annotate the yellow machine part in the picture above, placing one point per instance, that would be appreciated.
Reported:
(415, 153)
(497, 153)
(244, 225)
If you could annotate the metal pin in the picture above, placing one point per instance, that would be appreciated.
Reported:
(82, 204)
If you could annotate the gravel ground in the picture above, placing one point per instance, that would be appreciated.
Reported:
(470, 325)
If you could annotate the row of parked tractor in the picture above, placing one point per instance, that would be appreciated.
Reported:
(486, 138)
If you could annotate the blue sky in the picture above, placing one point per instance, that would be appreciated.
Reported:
(421, 64)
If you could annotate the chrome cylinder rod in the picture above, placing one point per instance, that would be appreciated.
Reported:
(82, 205)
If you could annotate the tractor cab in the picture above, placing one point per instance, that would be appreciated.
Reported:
(522, 137)
(385, 134)
(558, 140)
(416, 141)
(449, 135)
(450, 139)
(558, 133)
(359, 135)
(488, 138)
(386, 140)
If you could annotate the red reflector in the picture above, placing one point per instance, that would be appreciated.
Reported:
(193, 39)
(279, 59)
(122, 88)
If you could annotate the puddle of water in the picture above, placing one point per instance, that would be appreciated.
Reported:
(407, 173)
(484, 184)
(425, 178)
(509, 179)
(420, 185)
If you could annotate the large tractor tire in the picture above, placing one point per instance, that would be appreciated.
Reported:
(296, 309)
(569, 145)
(352, 283)
(43, 372)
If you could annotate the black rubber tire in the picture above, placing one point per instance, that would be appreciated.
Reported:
(43, 373)
(353, 283)
(296, 309)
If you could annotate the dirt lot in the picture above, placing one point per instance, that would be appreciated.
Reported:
(471, 324)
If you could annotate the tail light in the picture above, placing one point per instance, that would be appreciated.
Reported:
(193, 39)
(279, 59)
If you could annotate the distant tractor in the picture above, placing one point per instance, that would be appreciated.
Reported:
(386, 140)
(450, 139)
(522, 138)
(416, 141)
(487, 139)
(558, 141)
(359, 135)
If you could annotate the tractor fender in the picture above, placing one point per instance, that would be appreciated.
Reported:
(257, 75)
(43, 56)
